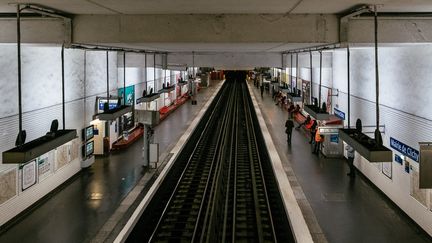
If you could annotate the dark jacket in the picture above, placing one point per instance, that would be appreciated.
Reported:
(289, 124)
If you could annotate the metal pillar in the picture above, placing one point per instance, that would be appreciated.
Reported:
(124, 78)
(376, 67)
(19, 68)
(63, 89)
(320, 80)
(311, 77)
(349, 89)
(297, 71)
(291, 72)
(148, 139)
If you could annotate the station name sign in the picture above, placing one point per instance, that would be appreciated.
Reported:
(405, 149)
(340, 114)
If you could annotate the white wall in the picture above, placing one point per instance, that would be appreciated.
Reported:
(304, 71)
(85, 78)
(405, 86)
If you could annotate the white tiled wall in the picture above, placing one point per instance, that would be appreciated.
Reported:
(405, 85)
(85, 78)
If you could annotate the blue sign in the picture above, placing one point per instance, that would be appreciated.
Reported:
(334, 138)
(398, 159)
(112, 103)
(405, 149)
(339, 114)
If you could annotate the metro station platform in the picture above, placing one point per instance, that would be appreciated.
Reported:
(82, 209)
(336, 207)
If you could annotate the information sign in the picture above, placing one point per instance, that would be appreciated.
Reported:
(405, 149)
(340, 114)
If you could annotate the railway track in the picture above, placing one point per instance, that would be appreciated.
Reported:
(221, 188)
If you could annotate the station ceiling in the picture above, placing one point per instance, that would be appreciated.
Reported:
(220, 6)
(260, 7)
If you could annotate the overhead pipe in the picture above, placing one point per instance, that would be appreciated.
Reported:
(53, 13)
(344, 21)
(112, 48)
(331, 46)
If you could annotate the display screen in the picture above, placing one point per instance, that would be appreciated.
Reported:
(89, 148)
(89, 132)
(112, 103)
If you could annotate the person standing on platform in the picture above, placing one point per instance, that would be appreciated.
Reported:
(289, 124)
(350, 154)
(313, 128)
(262, 90)
(318, 141)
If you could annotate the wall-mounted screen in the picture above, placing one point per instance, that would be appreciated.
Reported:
(112, 103)
(88, 133)
(88, 149)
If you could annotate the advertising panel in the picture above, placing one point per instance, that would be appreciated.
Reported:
(28, 175)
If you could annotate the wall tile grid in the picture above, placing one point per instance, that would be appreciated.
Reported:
(404, 88)
(41, 87)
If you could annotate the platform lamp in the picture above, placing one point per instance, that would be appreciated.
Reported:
(371, 149)
(25, 152)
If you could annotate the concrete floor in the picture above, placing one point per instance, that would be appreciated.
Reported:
(346, 210)
(82, 206)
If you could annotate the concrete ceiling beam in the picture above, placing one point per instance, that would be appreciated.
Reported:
(391, 30)
(226, 28)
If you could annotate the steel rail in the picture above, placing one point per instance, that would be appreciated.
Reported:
(200, 139)
(259, 163)
(210, 230)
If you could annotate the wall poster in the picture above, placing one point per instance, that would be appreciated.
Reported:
(62, 156)
(387, 169)
(419, 194)
(74, 149)
(45, 165)
(8, 184)
(28, 175)
(378, 166)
